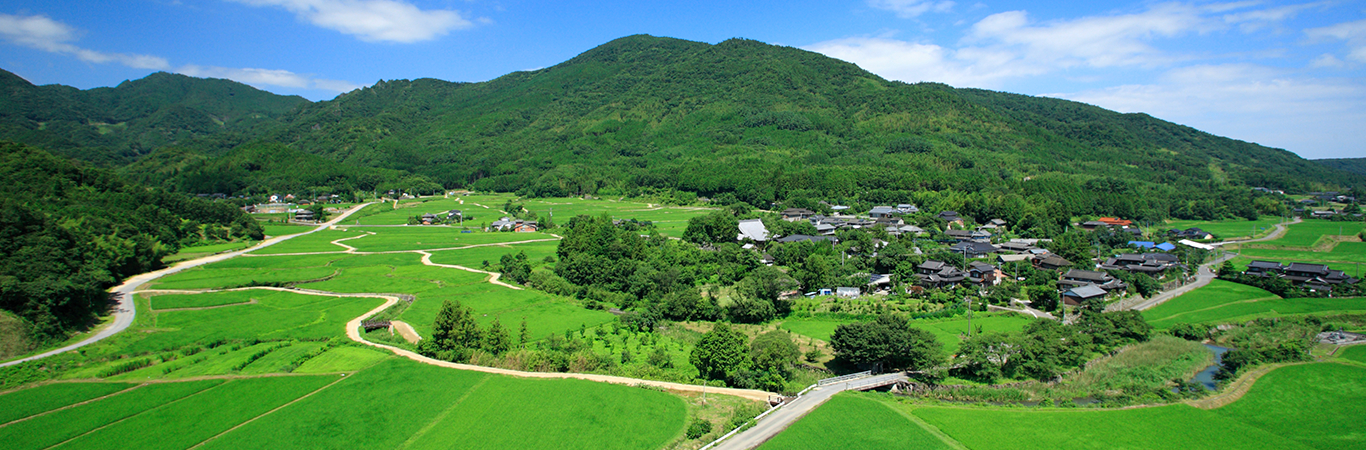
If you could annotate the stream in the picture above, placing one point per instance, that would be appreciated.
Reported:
(1206, 376)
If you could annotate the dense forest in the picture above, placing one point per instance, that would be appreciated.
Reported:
(68, 232)
(738, 121)
(1353, 165)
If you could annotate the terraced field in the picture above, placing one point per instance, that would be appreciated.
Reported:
(1225, 301)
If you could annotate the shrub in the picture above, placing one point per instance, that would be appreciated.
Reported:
(698, 428)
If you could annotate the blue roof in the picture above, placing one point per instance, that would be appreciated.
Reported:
(1141, 244)
(1166, 246)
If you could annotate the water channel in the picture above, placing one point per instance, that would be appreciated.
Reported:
(1206, 377)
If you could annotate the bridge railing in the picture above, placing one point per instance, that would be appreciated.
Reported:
(842, 378)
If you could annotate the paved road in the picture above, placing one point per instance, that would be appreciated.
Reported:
(1206, 272)
(124, 315)
(777, 421)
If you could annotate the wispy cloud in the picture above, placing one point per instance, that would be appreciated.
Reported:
(42, 33)
(1258, 103)
(907, 9)
(267, 77)
(373, 20)
(1354, 33)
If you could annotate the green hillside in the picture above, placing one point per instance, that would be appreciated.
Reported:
(115, 126)
(1353, 165)
(737, 121)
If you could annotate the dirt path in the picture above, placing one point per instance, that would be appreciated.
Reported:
(126, 311)
(492, 276)
(406, 331)
(1281, 229)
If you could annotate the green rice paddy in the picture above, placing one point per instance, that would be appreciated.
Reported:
(1308, 232)
(1225, 301)
(880, 426)
(949, 332)
(24, 403)
(1227, 229)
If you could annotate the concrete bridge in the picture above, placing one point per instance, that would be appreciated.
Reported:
(779, 418)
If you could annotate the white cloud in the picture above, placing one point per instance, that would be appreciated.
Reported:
(1250, 21)
(907, 9)
(912, 62)
(267, 77)
(1317, 117)
(1102, 41)
(1327, 61)
(1352, 32)
(42, 33)
(373, 20)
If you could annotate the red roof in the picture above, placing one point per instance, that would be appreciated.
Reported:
(1115, 221)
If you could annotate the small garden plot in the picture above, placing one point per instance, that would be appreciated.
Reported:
(380, 407)
(506, 412)
(429, 238)
(59, 426)
(869, 424)
(1166, 427)
(315, 242)
(37, 400)
(211, 299)
(277, 315)
(813, 328)
(1216, 294)
(342, 359)
(1318, 405)
(186, 423)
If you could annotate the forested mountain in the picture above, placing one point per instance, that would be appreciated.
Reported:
(1353, 165)
(118, 125)
(67, 232)
(737, 121)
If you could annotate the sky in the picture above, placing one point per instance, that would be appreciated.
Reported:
(1286, 74)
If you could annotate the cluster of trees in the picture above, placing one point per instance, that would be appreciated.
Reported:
(456, 335)
(1046, 349)
(1267, 340)
(68, 232)
(724, 353)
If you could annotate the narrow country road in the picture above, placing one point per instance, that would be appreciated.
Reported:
(1206, 272)
(124, 315)
(788, 413)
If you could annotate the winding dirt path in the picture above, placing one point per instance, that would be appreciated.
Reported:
(126, 312)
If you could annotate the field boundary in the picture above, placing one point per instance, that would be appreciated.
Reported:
(412, 439)
(73, 405)
(933, 430)
(1236, 390)
(253, 419)
(125, 419)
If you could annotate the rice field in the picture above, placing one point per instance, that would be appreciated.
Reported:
(1226, 229)
(1224, 301)
(1308, 232)
(35, 400)
(949, 332)
(275, 316)
(59, 426)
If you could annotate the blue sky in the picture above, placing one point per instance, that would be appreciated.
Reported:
(1283, 74)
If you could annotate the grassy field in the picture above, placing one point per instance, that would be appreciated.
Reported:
(1308, 232)
(200, 251)
(51, 429)
(178, 301)
(282, 229)
(1225, 301)
(183, 424)
(20, 404)
(1166, 427)
(879, 426)
(342, 359)
(276, 315)
(1318, 405)
(1217, 294)
(949, 332)
(390, 239)
(1226, 229)
(315, 242)
(592, 415)
(536, 252)
(403, 404)
(1349, 253)
(670, 220)
(1354, 353)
